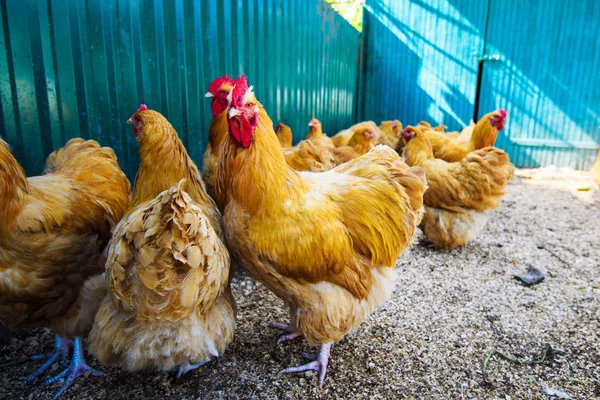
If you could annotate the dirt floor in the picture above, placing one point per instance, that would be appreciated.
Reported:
(450, 311)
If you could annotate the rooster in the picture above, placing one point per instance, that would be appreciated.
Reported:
(363, 140)
(483, 135)
(53, 231)
(284, 135)
(460, 194)
(326, 243)
(170, 304)
(217, 91)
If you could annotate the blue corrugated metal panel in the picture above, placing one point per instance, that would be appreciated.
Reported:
(74, 68)
(421, 63)
(421, 60)
(547, 78)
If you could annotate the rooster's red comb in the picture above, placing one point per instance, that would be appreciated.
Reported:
(143, 107)
(217, 83)
(241, 86)
(503, 113)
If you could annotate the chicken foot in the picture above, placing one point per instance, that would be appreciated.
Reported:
(285, 328)
(186, 367)
(77, 368)
(61, 349)
(318, 362)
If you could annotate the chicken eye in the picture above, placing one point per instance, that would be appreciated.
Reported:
(250, 105)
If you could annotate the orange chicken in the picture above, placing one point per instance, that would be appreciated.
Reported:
(284, 135)
(169, 303)
(217, 91)
(363, 140)
(326, 243)
(460, 194)
(308, 155)
(343, 137)
(53, 231)
(484, 135)
(388, 133)
(311, 154)
(315, 133)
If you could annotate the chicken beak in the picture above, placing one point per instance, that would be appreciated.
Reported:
(209, 95)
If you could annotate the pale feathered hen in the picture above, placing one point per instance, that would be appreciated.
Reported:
(170, 303)
(460, 194)
(53, 231)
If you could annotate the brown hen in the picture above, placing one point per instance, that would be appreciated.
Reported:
(53, 232)
(460, 194)
(170, 303)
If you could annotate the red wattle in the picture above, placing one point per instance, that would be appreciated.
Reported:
(247, 131)
(241, 135)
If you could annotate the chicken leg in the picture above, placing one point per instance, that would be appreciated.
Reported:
(318, 363)
(285, 328)
(61, 349)
(77, 368)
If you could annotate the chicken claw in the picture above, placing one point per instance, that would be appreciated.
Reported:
(186, 367)
(318, 363)
(77, 368)
(61, 349)
(282, 327)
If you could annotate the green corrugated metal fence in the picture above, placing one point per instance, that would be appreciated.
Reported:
(74, 68)
(421, 61)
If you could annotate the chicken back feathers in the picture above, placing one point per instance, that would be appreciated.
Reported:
(314, 153)
(363, 140)
(343, 137)
(484, 135)
(54, 230)
(308, 155)
(163, 256)
(169, 270)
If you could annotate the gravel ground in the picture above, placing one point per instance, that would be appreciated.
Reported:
(451, 309)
